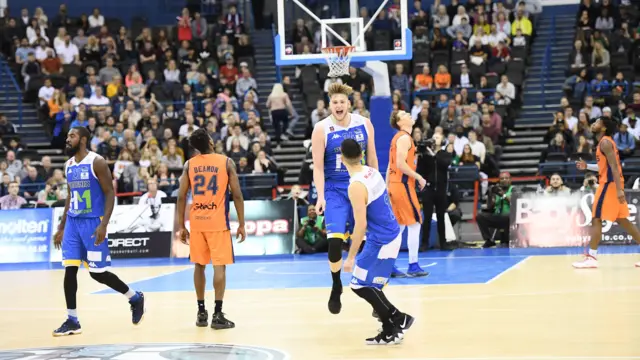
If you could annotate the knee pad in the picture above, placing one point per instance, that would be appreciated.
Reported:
(335, 250)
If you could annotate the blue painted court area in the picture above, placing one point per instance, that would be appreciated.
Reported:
(466, 266)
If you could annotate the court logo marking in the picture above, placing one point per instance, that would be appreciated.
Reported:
(168, 351)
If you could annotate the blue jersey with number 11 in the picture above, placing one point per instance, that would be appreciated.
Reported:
(334, 170)
(87, 199)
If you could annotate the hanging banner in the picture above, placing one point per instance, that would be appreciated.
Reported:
(539, 220)
(269, 226)
(25, 235)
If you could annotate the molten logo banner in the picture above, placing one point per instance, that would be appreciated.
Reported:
(540, 220)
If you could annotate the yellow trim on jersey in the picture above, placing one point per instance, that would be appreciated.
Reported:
(340, 236)
(75, 263)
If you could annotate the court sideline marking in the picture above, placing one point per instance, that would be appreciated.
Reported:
(507, 270)
(528, 358)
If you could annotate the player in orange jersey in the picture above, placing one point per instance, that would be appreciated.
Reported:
(401, 184)
(609, 202)
(211, 177)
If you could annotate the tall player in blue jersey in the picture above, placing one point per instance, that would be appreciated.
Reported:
(373, 266)
(82, 232)
(331, 178)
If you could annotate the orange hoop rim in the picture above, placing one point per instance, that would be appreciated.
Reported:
(338, 49)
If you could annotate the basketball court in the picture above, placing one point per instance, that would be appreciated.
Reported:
(476, 304)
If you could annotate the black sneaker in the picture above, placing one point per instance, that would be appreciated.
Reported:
(334, 300)
(137, 309)
(219, 322)
(69, 327)
(403, 322)
(203, 319)
(385, 338)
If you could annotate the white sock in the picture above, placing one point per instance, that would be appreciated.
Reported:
(593, 253)
(129, 294)
(413, 242)
(72, 313)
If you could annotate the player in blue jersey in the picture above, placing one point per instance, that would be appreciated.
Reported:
(331, 178)
(82, 232)
(373, 266)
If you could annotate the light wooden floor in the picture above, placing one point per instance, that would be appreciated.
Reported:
(540, 309)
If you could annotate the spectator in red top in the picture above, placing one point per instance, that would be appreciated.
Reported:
(229, 71)
(184, 26)
(500, 53)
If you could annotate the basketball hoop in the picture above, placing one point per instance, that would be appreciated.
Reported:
(338, 59)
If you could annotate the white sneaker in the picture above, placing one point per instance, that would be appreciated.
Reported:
(589, 262)
(638, 264)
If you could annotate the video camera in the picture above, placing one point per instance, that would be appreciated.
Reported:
(422, 146)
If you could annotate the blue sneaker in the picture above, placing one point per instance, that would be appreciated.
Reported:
(137, 308)
(416, 271)
(69, 327)
(396, 273)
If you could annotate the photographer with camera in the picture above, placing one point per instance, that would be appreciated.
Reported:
(590, 183)
(496, 217)
(50, 193)
(433, 165)
(311, 238)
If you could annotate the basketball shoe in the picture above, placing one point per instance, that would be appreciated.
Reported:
(385, 337)
(202, 319)
(589, 262)
(638, 264)
(219, 322)
(402, 322)
(396, 273)
(416, 271)
(137, 308)
(69, 327)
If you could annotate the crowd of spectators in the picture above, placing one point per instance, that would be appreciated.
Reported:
(602, 75)
(139, 90)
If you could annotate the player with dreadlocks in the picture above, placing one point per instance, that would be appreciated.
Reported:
(609, 202)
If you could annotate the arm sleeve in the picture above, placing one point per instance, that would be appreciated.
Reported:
(592, 167)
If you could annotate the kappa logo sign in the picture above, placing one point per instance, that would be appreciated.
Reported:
(147, 351)
(129, 242)
(263, 227)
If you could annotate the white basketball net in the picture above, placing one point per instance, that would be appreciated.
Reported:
(338, 59)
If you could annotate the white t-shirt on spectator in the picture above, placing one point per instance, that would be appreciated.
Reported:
(98, 101)
(459, 143)
(96, 21)
(67, 53)
(507, 90)
(572, 122)
(41, 53)
(75, 102)
(494, 39)
(478, 149)
(146, 199)
(57, 42)
(635, 131)
(46, 93)
(184, 130)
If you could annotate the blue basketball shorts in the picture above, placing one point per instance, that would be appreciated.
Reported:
(375, 263)
(338, 214)
(78, 245)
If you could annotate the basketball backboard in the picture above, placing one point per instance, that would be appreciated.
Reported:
(350, 29)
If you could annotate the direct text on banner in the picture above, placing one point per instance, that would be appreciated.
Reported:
(25, 235)
(539, 220)
(269, 226)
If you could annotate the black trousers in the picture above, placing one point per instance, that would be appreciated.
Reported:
(431, 199)
(488, 222)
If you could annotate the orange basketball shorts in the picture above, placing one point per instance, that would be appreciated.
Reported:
(215, 247)
(606, 205)
(404, 202)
